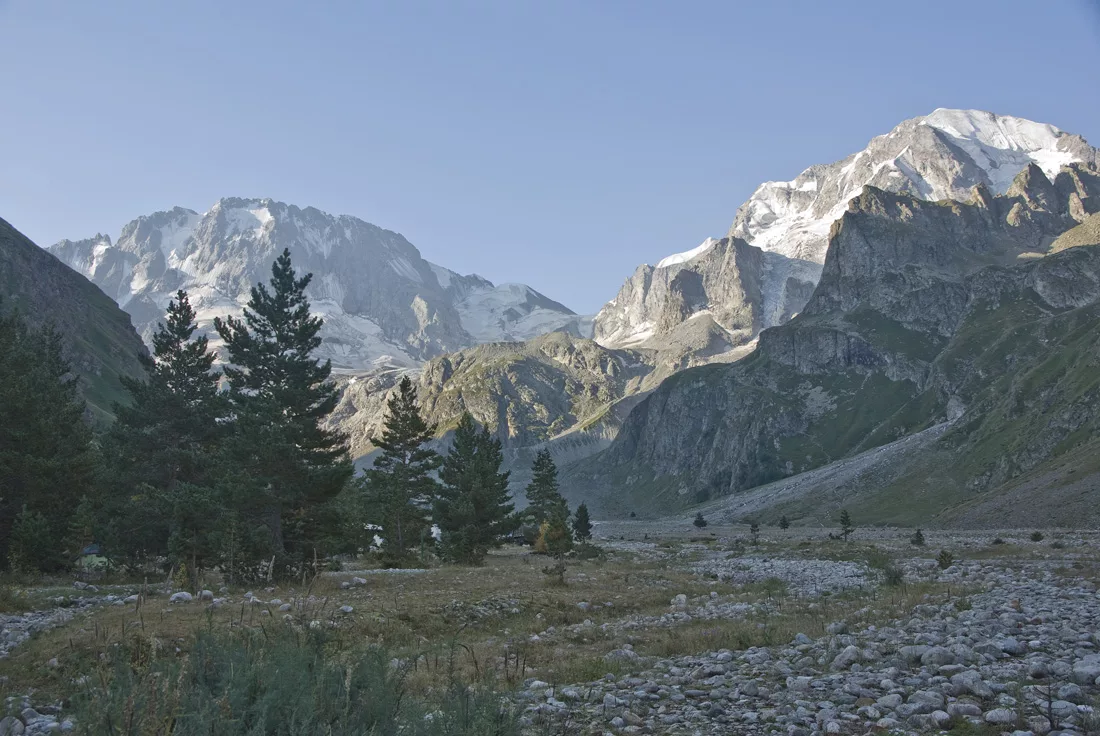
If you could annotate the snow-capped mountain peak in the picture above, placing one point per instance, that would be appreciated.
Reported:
(382, 302)
(942, 155)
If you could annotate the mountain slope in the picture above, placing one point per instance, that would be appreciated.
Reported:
(383, 304)
(880, 350)
(939, 156)
(102, 344)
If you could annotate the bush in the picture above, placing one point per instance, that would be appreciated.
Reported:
(699, 522)
(277, 685)
(945, 559)
(892, 576)
(917, 540)
(1036, 536)
(998, 540)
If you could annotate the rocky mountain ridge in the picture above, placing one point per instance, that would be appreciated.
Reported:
(883, 349)
(383, 304)
(939, 156)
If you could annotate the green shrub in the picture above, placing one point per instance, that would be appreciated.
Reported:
(892, 576)
(998, 540)
(587, 551)
(945, 559)
(917, 540)
(275, 684)
(1036, 536)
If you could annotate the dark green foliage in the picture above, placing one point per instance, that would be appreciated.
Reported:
(754, 530)
(997, 540)
(544, 500)
(275, 684)
(582, 525)
(846, 527)
(892, 575)
(587, 551)
(917, 540)
(473, 508)
(784, 523)
(699, 521)
(162, 452)
(32, 547)
(1036, 536)
(945, 559)
(46, 457)
(399, 490)
(279, 396)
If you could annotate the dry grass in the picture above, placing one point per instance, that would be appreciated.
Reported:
(476, 622)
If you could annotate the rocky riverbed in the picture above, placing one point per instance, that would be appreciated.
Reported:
(1018, 654)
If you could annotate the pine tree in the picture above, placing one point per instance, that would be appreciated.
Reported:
(400, 488)
(280, 395)
(784, 523)
(699, 522)
(473, 508)
(47, 461)
(582, 525)
(754, 530)
(163, 449)
(544, 500)
(917, 540)
(846, 527)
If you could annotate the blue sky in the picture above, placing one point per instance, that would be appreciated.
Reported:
(558, 143)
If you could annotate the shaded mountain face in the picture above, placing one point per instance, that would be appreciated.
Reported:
(100, 340)
(939, 156)
(900, 322)
(383, 304)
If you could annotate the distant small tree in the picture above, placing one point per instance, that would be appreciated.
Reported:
(633, 514)
(699, 522)
(846, 527)
(582, 525)
(784, 523)
(1036, 536)
(945, 559)
(917, 540)
(544, 500)
(754, 530)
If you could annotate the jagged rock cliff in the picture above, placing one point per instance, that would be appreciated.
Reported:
(864, 363)
(781, 232)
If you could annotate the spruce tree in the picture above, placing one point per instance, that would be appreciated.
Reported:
(846, 527)
(473, 508)
(47, 461)
(784, 523)
(544, 500)
(699, 521)
(280, 396)
(582, 525)
(400, 489)
(163, 449)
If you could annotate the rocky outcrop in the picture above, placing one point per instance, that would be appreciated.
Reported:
(100, 342)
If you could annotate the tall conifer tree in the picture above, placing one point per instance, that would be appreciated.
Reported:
(46, 457)
(400, 487)
(162, 450)
(280, 395)
(544, 500)
(473, 508)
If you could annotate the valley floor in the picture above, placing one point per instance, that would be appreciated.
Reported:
(678, 631)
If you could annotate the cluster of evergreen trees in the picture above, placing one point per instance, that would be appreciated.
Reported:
(235, 468)
(464, 493)
(191, 474)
